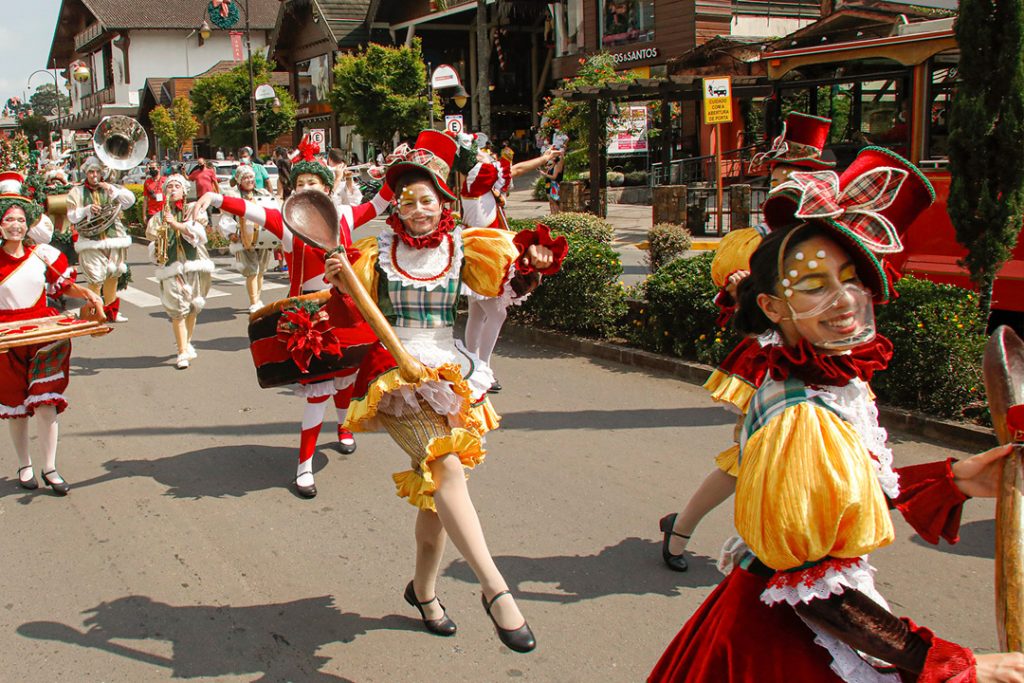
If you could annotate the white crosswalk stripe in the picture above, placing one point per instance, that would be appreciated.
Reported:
(236, 278)
(138, 298)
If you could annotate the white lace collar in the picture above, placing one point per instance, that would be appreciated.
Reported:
(421, 268)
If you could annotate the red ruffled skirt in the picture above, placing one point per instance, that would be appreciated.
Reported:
(735, 638)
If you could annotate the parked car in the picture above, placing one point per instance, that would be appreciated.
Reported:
(136, 175)
(225, 172)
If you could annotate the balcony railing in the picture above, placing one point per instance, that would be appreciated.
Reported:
(87, 36)
(105, 96)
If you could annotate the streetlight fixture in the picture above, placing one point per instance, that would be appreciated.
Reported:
(444, 77)
(203, 31)
(56, 92)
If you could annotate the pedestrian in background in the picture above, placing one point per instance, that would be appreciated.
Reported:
(245, 156)
(153, 190)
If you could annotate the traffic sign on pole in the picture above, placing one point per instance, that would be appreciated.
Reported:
(453, 123)
(318, 136)
(718, 100)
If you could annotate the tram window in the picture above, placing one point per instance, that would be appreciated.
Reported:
(941, 85)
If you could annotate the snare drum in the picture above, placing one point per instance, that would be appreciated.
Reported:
(270, 336)
(264, 238)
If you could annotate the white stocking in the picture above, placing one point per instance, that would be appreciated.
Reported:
(47, 431)
(19, 436)
(460, 521)
(484, 325)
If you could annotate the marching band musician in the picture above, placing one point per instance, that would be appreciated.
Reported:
(306, 275)
(33, 378)
(178, 248)
(102, 257)
(253, 259)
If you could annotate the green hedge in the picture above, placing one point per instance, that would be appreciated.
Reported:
(581, 224)
(134, 216)
(665, 242)
(586, 295)
(679, 313)
(939, 338)
(540, 189)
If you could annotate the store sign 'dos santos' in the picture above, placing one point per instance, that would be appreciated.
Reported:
(635, 55)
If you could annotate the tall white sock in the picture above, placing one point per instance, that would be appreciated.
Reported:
(19, 436)
(496, 312)
(47, 430)
(474, 323)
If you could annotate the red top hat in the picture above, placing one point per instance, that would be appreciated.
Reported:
(11, 183)
(433, 152)
(866, 207)
(801, 144)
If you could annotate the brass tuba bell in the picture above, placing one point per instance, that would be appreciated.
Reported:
(120, 142)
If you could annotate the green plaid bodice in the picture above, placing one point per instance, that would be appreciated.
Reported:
(407, 306)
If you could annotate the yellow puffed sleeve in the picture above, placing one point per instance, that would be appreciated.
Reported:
(807, 489)
(733, 253)
(489, 253)
(365, 266)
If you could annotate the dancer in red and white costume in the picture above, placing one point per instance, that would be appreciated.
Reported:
(33, 378)
(483, 194)
(306, 275)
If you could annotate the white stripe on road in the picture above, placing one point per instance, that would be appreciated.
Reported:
(236, 278)
(136, 297)
(214, 292)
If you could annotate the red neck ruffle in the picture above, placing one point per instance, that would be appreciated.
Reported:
(429, 241)
(816, 369)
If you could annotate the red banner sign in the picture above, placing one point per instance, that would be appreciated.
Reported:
(236, 45)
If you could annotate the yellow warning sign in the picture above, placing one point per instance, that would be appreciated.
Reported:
(718, 100)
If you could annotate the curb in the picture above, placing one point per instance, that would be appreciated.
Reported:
(899, 420)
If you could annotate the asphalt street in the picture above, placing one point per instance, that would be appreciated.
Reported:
(182, 553)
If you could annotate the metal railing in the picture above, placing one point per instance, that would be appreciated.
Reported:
(105, 96)
(735, 167)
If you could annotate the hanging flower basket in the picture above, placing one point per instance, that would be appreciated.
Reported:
(223, 13)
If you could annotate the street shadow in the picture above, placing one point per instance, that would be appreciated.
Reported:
(217, 472)
(276, 642)
(977, 539)
(210, 314)
(631, 567)
(530, 420)
(237, 343)
(82, 366)
(252, 429)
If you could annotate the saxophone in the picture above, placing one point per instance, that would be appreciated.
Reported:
(162, 238)
(248, 232)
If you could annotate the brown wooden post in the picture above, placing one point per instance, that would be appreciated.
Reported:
(739, 207)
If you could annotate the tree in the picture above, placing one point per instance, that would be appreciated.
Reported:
(222, 103)
(986, 126)
(35, 127)
(44, 100)
(381, 91)
(176, 126)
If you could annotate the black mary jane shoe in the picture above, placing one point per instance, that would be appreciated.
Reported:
(443, 626)
(495, 388)
(518, 639)
(305, 491)
(674, 562)
(346, 448)
(30, 484)
(61, 487)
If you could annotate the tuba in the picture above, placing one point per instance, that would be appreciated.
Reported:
(121, 143)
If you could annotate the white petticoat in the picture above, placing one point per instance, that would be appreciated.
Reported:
(435, 347)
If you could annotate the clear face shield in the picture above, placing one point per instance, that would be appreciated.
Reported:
(13, 225)
(828, 305)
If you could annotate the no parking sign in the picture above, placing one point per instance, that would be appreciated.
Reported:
(453, 123)
(318, 136)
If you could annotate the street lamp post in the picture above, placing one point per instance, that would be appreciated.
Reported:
(204, 32)
(252, 86)
(56, 92)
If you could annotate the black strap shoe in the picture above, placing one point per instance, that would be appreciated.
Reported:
(305, 491)
(30, 484)
(518, 639)
(442, 626)
(61, 487)
(674, 562)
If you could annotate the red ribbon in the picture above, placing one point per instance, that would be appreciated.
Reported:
(224, 6)
(307, 337)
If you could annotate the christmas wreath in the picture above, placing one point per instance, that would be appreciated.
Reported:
(223, 13)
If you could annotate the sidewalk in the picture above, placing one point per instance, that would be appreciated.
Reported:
(631, 221)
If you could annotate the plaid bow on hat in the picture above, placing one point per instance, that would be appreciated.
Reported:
(857, 207)
(402, 153)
